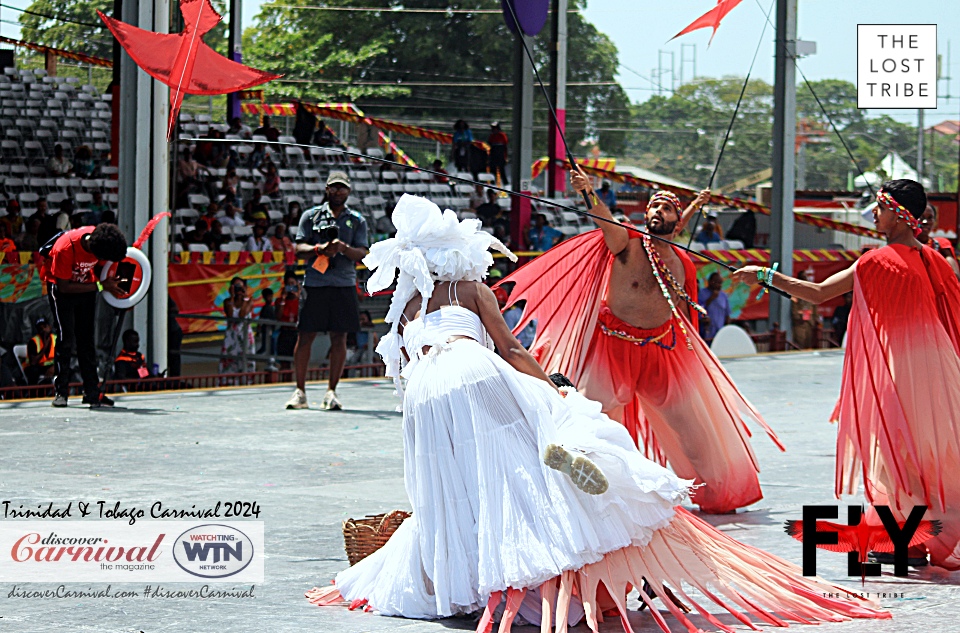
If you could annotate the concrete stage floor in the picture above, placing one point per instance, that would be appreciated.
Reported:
(309, 470)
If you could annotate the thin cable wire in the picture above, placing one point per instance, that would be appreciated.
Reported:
(51, 17)
(736, 110)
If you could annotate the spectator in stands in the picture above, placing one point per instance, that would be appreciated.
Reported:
(502, 233)
(608, 196)
(478, 161)
(83, 165)
(294, 211)
(385, 167)
(259, 240)
(542, 236)
(840, 316)
(28, 242)
(267, 130)
(288, 309)
(360, 342)
(41, 352)
(96, 208)
(744, 228)
(58, 165)
(512, 318)
(323, 136)
(708, 233)
(271, 182)
(6, 244)
(130, 363)
(462, 139)
(280, 241)
(330, 303)
(13, 220)
(64, 215)
(498, 142)
(238, 337)
(476, 198)
(71, 273)
(438, 167)
(188, 173)
(231, 216)
(489, 210)
(384, 227)
(108, 217)
(805, 317)
(214, 239)
(48, 223)
(268, 312)
(78, 219)
(717, 304)
(253, 205)
(229, 186)
(211, 212)
(199, 232)
(238, 128)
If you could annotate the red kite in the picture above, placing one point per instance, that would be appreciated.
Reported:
(182, 60)
(711, 18)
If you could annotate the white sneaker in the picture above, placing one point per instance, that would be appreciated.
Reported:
(331, 402)
(298, 400)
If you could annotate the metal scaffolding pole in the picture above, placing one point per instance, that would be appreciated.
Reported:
(784, 137)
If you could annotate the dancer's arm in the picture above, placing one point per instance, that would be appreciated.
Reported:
(507, 344)
(614, 235)
(702, 198)
(833, 286)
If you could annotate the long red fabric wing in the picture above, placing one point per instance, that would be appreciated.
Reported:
(214, 74)
(563, 289)
(153, 52)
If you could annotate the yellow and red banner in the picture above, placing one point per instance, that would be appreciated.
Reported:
(59, 52)
(605, 164)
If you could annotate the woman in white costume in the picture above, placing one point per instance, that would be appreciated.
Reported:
(519, 491)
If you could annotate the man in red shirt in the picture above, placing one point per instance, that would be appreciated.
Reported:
(70, 271)
(498, 142)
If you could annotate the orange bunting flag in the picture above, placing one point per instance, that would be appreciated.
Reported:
(711, 18)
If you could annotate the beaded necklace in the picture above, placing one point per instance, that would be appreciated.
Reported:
(660, 271)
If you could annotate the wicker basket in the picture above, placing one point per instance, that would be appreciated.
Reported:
(362, 537)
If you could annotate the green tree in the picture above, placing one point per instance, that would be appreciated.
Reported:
(91, 37)
(374, 57)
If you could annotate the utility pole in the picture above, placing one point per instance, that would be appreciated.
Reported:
(920, 127)
(144, 170)
(784, 139)
(236, 31)
(556, 178)
(521, 143)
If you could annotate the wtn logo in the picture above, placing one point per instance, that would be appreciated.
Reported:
(195, 550)
(213, 551)
(857, 538)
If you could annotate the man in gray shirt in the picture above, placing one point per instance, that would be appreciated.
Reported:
(332, 238)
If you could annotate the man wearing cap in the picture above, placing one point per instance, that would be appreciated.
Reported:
(331, 238)
(621, 324)
(41, 352)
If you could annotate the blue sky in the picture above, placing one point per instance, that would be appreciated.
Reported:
(642, 28)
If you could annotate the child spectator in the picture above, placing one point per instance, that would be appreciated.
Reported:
(130, 364)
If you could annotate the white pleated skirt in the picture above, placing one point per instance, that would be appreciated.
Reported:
(488, 515)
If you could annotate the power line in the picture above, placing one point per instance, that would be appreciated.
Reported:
(394, 10)
(51, 17)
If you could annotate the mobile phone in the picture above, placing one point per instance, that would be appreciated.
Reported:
(125, 272)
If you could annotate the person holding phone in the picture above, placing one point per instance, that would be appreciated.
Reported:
(237, 307)
(69, 267)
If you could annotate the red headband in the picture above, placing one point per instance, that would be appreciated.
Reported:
(885, 200)
(666, 196)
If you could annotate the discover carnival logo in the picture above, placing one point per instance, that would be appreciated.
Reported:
(213, 551)
(108, 551)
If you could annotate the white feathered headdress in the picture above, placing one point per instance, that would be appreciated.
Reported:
(430, 246)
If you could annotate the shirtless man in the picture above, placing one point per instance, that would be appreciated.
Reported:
(645, 361)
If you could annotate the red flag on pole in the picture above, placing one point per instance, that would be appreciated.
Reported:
(710, 19)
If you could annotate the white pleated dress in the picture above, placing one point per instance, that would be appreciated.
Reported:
(488, 515)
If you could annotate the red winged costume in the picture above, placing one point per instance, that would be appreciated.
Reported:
(899, 406)
(182, 60)
(677, 401)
